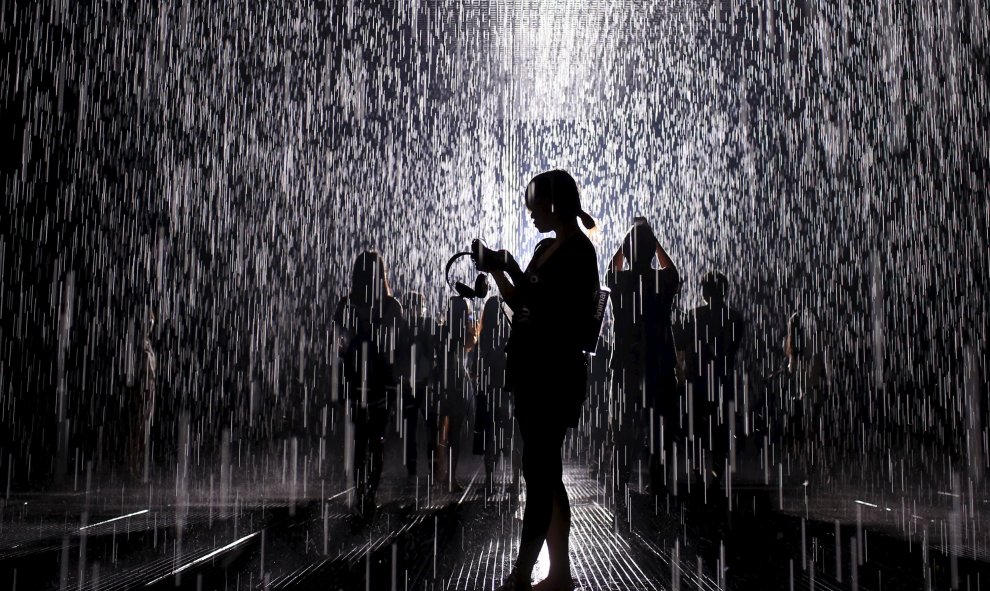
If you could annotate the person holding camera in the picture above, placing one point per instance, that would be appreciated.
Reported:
(552, 302)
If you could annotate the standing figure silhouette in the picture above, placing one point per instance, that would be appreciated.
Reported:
(710, 337)
(546, 370)
(456, 338)
(370, 322)
(418, 367)
(643, 408)
(493, 430)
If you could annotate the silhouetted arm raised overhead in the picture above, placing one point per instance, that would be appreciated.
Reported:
(664, 259)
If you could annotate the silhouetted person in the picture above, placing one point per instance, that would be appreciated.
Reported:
(546, 368)
(595, 427)
(143, 403)
(454, 388)
(806, 354)
(493, 411)
(709, 340)
(370, 322)
(644, 381)
(418, 365)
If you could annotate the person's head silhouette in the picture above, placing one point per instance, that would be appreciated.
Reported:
(369, 279)
(714, 288)
(553, 200)
(640, 245)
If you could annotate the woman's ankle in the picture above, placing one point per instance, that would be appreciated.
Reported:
(561, 574)
(556, 582)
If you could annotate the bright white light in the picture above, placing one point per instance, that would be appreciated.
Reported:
(142, 511)
(203, 558)
(542, 567)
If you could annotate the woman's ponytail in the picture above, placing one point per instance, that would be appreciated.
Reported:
(586, 219)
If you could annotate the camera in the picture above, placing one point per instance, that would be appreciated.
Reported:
(487, 260)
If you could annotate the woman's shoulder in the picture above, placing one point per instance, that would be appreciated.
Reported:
(541, 246)
(582, 251)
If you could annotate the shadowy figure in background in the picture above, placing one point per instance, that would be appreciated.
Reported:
(493, 428)
(806, 363)
(708, 342)
(805, 348)
(594, 427)
(143, 404)
(418, 367)
(369, 321)
(644, 407)
(805, 351)
(553, 303)
(453, 382)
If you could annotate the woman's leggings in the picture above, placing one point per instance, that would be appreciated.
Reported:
(543, 440)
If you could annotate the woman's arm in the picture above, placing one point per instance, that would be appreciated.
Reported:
(664, 259)
(507, 279)
(671, 278)
(505, 287)
(617, 260)
(613, 269)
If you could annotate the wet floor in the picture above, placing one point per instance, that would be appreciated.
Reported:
(264, 530)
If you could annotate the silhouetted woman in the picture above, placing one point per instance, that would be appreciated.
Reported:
(545, 366)
(370, 322)
(644, 381)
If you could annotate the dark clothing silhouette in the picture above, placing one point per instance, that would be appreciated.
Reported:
(544, 473)
(545, 367)
(141, 401)
(547, 372)
(453, 383)
(418, 367)
(371, 329)
(643, 351)
(710, 338)
(643, 367)
(493, 418)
